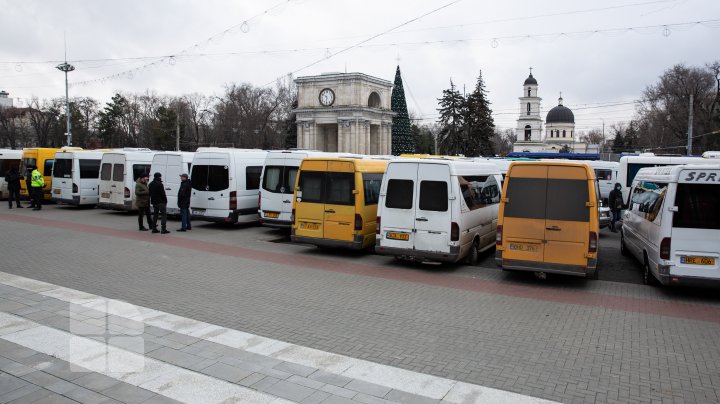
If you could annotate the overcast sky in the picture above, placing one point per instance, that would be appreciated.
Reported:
(111, 44)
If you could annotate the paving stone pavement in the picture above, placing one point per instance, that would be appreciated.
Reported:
(655, 346)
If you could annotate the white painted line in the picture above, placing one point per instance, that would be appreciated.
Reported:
(399, 379)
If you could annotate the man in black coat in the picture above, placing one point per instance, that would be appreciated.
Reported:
(184, 202)
(13, 179)
(158, 199)
(615, 200)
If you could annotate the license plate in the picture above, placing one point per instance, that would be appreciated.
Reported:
(105, 195)
(309, 226)
(272, 215)
(56, 191)
(198, 212)
(524, 247)
(391, 235)
(697, 260)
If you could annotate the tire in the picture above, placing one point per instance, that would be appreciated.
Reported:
(472, 257)
(623, 248)
(648, 278)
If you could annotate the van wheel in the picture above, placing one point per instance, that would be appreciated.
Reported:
(648, 278)
(472, 258)
(623, 248)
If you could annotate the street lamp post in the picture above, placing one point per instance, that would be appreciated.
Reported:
(66, 67)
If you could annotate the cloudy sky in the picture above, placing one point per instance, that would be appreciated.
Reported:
(600, 54)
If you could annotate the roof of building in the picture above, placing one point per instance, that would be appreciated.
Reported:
(560, 114)
(530, 80)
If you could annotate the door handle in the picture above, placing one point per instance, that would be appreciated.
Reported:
(113, 186)
(421, 219)
(553, 228)
(330, 211)
(168, 189)
(211, 198)
(287, 201)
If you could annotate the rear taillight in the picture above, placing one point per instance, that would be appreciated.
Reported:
(233, 200)
(259, 200)
(292, 216)
(127, 192)
(358, 222)
(454, 232)
(75, 188)
(377, 225)
(665, 248)
(498, 235)
(592, 245)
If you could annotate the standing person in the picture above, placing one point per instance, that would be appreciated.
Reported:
(184, 202)
(13, 178)
(615, 200)
(37, 183)
(142, 201)
(28, 185)
(159, 202)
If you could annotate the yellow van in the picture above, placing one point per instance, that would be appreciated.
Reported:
(43, 158)
(335, 201)
(548, 219)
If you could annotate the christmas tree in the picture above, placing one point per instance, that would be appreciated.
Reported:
(402, 138)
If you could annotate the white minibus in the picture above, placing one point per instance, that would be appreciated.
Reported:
(630, 165)
(76, 177)
(441, 210)
(8, 158)
(118, 172)
(606, 173)
(171, 164)
(672, 224)
(225, 184)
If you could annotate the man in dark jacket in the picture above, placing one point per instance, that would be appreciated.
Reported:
(142, 201)
(183, 202)
(615, 200)
(159, 203)
(13, 178)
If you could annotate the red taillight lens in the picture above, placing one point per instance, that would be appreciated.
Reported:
(454, 232)
(665, 248)
(292, 216)
(358, 222)
(259, 200)
(593, 244)
(498, 235)
(233, 200)
(75, 188)
(127, 192)
(377, 225)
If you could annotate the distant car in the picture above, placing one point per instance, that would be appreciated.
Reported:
(604, 216)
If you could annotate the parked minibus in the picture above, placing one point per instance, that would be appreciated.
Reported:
(442, 210)
(548, 219)
(672, 224)
(171, 164)
(335, 201)
(630, 165)
(225, 184)
(42, 158)
(118, 172)
(76, 177)
(8, 159)
(606, 173)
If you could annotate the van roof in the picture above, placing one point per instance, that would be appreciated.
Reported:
(361, 164)
(462, 166)
(555, 163)
(670, 173)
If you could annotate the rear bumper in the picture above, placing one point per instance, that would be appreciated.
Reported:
(604, 222)
(675, 280)
(355, 244)
(551, 268)
(114, 206)
(74, 201)
(276, 223)
(235, 216)
(418, 255)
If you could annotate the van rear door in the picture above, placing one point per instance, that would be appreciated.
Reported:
(398, 212)
(211, 183)
(524, 213)
(274, 189)
(340, 195)
(310, 202)
(105, 179)
(63, 171)
(171, 179)
(433, 208)
(567, 223)
(117, 182)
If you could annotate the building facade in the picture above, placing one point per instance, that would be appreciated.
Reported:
(344, 112)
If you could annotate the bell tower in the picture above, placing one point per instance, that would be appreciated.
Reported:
(529, 123)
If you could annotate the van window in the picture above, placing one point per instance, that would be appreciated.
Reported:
(6, 165)
(567, 200)
(140, 169)
(697, 206)
(603, 174)
(399, 194)
(632, 170)
(199, 175)
(311, 186)
(63, 168)
(28, 163)
(371, 184)
(218, 178)
(105, 172)
(433, 196)
(89, 168)
(47, 169)
(479, 191)
(526, 198)
(647, 199)
(252, 177)
(118, 172)
(339, 188)
(273, 179)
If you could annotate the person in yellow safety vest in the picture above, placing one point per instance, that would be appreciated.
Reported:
(37, 183)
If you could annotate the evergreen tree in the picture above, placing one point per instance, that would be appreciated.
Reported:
(451, 139)
(402, 138)
(479, 123)
(109, 122)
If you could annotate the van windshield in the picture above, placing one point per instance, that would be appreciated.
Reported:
(62, 168)
(697, 206)
(212, 178)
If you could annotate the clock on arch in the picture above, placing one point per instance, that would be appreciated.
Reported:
(327, 97)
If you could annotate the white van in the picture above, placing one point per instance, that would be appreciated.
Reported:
(672, 224)
(606, 173)
(438, 209)
(630, 165)
(76, 177)
(225, 184)
(171, 164)
(8, 158)
(118, 172)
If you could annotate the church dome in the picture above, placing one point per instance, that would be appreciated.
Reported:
(530, 80)
(560, 114)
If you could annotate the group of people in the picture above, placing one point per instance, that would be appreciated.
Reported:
(154, 194)
(35, 183)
